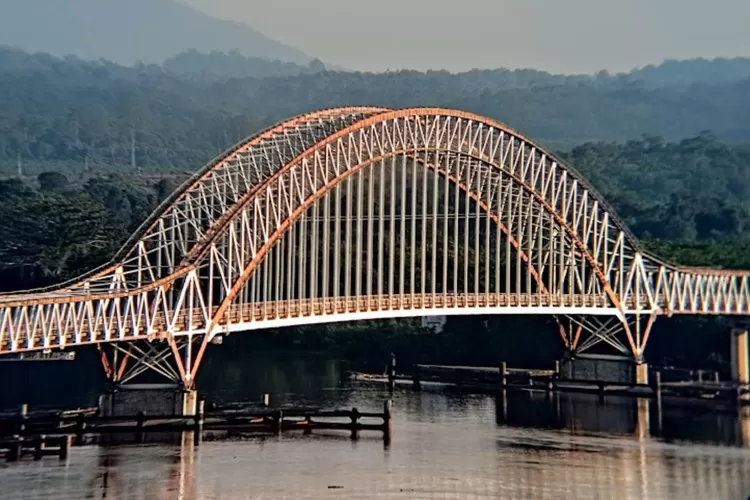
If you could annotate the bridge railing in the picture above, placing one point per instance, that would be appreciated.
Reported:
(241, 313)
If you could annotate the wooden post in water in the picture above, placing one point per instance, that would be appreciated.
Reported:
(503, 375)
(278, 421)
(39, 445)
(416, 383)
(64, 447)
(15, 450)
(387, 408)
(501, 410)
(355, 423)
(22, 416)
(80, 428)
(392, 371)
(139, 423)
(657, 387)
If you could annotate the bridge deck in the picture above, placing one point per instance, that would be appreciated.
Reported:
(78, 324)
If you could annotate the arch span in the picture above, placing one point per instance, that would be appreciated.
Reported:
(366, 212)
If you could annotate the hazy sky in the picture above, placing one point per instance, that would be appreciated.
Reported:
(556, 35)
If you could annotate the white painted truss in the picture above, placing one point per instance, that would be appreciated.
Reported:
(362, 213)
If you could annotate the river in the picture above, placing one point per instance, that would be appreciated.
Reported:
(445, 445)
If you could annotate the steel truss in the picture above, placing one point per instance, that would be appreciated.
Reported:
(132, 361)
(582, 334)
(362, 213)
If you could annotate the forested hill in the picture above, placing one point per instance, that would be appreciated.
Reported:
(75, 112)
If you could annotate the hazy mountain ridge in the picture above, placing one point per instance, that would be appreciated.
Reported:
(73, 110)
(126, 31)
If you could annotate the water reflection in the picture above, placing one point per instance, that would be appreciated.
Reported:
(444, 445)
(642, 418)
(674, 420)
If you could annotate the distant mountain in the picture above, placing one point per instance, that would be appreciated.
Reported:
(126, 31)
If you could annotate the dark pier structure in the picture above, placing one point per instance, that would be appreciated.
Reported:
(53, 433)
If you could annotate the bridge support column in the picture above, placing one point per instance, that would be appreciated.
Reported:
(641, 373)
(739, 356)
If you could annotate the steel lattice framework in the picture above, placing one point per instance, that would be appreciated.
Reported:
(364, 213)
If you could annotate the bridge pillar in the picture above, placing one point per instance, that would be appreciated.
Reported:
(598, 368)
(641, 373)
(739, 356)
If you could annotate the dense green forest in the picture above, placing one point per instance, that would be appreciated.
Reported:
(80, 116)
(99, 145)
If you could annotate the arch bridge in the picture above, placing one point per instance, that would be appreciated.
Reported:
(363, 213)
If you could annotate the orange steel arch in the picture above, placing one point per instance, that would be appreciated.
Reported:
(200, 248)
(416, 113)
(230, 154)
(287, 224)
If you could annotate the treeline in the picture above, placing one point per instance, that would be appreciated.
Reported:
(77, 115)
(688, 200)
(54, 230)
(216, 66)
(697, 189)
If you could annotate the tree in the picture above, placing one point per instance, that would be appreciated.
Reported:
(52, 181)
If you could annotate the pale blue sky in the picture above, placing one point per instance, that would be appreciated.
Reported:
(556, 35)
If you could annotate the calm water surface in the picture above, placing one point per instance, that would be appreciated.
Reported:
(445, 445)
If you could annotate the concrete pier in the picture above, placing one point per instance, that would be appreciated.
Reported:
(598, 368)
(739, 356)
(641, 373)
(149, 399)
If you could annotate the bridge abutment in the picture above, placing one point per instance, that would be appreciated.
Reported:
(603, 368)
(149, 399)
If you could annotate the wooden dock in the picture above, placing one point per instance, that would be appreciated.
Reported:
(15, 448)
(47, 433)
(484, 378)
